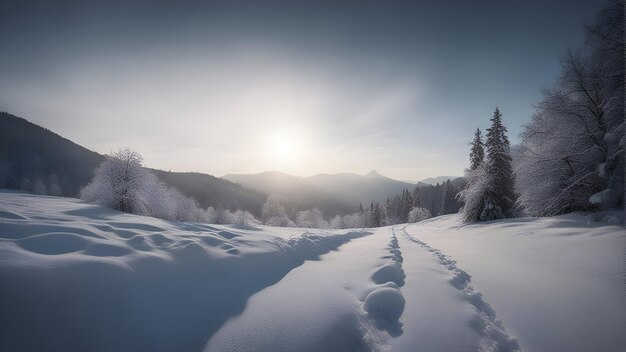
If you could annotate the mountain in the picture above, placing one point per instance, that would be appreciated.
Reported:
(439, 179)
(296, 193)
(30, 152)
(347, 189)
(355, 188)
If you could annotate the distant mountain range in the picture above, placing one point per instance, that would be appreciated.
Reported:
(347, 188)
(28, 151)
(439, 179)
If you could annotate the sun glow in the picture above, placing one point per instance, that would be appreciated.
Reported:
(283, 146)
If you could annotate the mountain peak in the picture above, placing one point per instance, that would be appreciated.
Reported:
(373, 173)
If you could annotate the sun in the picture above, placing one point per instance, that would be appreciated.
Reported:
(282, 146)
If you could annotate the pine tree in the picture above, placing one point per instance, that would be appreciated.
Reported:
(406, 205)
(390, 208)
(500, 194)
(477, 154)
(448, 203)
(417, 201)
(377, 216)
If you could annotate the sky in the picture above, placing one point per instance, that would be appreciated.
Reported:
(303, 87)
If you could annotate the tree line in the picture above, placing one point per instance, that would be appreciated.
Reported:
(571, 155)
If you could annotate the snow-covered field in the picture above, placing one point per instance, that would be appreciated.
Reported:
(79, 277)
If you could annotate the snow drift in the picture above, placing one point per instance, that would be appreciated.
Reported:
(81, 277)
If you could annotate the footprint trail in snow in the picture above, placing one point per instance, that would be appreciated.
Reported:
(494, 336)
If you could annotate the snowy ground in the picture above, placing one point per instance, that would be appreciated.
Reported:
(76, 277)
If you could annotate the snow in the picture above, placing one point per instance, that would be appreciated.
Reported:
(556, 283)
(77, 277)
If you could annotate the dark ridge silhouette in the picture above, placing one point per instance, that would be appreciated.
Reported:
(30, 151)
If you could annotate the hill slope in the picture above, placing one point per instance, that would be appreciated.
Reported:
(354, 188)
(31, 151)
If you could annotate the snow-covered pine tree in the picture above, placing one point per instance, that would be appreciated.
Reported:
(378, 216)
(390, 207)
(499, 192)
(477, 154)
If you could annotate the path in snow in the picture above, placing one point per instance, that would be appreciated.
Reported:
(379, 292)
(494, 335)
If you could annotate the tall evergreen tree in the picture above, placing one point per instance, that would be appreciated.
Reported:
(477, 153)
(390, 208)
(377, 216)
(405, 206)
(500, 194)
(417, 200)
(448, 205)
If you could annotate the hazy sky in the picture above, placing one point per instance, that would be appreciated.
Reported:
(303, 87)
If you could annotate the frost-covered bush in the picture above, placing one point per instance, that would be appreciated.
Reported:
(244, 217)
(224, 217)
(39, 187)
(210, 215)
(418, 214)
(352, 221)
(349, 221)
(274, 214)
(311, 218)
(336, 222)
(122, 183)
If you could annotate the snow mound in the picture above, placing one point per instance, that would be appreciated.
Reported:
(391, 271)
(385, 305)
